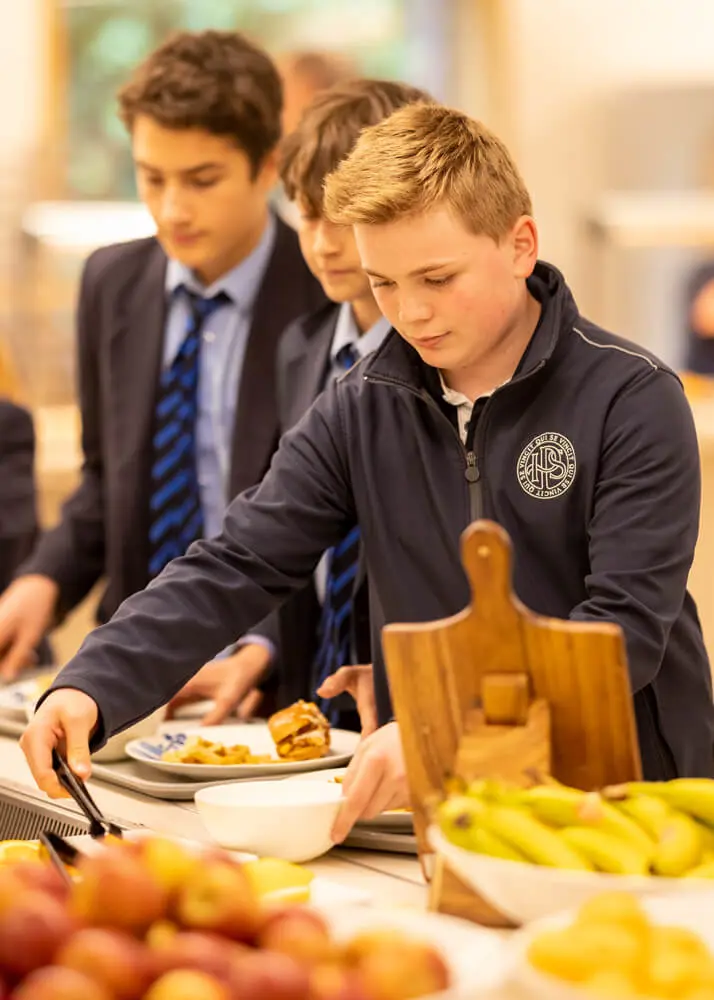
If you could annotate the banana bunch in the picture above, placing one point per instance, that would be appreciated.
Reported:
(641, 828)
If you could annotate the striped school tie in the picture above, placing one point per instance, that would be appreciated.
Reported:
(335, 628)
(175, 514)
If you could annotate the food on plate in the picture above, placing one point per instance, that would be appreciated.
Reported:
(658, 828)
(300, 732)
(198, 750)
(153, 919)
(612, 949)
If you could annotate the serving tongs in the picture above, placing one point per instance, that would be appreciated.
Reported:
(61, 853)
(99, 825)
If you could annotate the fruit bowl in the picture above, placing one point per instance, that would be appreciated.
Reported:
(526, 892)
(280, 819)
(662, 911)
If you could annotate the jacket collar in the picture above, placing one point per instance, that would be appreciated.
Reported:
(397, 361)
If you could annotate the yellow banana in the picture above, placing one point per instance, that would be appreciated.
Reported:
(539, 844)
(694, 796)
(457, 819)
(679, 847)
(650, 812)
(705, 870)
(560, 806)
(485, 842)
(605, 851)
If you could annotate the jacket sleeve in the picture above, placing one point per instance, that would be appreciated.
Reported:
(18, 520)
(645, 518)
(73, 553)
(272, 539)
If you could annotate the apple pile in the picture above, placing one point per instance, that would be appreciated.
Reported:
(149, 920)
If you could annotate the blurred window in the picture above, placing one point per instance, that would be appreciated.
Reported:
(105, 39)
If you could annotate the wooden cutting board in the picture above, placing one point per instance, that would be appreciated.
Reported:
(556, 691)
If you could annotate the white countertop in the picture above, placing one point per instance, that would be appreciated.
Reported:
(389, 878)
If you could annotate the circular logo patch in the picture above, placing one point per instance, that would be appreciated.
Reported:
(546, 467)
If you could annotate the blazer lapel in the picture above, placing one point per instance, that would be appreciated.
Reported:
(305, 371)
(135, 358)
(287, 290)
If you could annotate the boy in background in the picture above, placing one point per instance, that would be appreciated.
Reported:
(323, 630)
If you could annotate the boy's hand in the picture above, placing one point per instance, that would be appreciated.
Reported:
(26, 611)
(229, 683)
(375, 780)
(359, 682)
(66, 720)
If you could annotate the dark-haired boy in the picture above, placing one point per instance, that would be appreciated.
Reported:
(177, 337)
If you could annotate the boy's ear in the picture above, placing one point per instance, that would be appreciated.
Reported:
(524, 239)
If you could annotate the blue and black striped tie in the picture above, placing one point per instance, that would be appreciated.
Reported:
(175, 514)
(335, 629)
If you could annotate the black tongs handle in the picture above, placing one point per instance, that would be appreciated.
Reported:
(98, 825)
(60, 853)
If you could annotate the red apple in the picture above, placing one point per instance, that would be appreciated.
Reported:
(116, 890)
(116, 960)
(169, 861)
(270, 976)
(401, 971)
(55, 983)
(42, 877)
(218, 897)
(187, 984)
(333, 982)
(11, 887)
(299, 932)
(32, 932)
(196, 950)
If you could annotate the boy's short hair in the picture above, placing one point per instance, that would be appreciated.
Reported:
(212, 80)
(422, 156)
(329, 129)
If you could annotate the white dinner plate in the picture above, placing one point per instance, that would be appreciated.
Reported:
(478, 958)
(342, 746)
(394, 820)
(17, 700)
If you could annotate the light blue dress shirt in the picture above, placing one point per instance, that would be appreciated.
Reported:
(223, 347)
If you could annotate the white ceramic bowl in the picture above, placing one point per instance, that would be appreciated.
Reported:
(278, 819)
(525, 892)
(694, 915)
(113, 749)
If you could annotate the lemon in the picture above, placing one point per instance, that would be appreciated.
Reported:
(275, 880)
(19, 850)
(617, 908)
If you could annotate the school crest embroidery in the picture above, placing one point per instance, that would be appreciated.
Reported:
(546, 467)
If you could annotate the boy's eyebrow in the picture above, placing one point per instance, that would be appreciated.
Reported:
(413, 274)
(198, 169)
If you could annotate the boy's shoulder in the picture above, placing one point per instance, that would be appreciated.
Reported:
(302, 331)
(602, 347)
(117, 261)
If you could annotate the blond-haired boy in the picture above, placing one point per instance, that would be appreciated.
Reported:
(323, 631)
(495, 398)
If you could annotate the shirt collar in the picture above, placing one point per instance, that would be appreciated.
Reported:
(346, 332)
(241, 283)
(455, 398)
